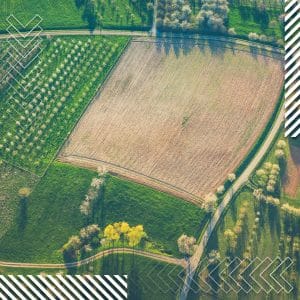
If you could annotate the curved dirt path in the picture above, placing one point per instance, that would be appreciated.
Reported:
(99, 255)
(240, 181)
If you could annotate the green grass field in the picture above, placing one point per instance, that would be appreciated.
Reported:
(244, 20)
(164, 217)
(11, 180)
(147, 279)
(52, 215)
(271, 240)
(55, 14)
(58, 87)
(65, 15)
(127, 14)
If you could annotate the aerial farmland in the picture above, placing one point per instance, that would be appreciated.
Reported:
(144, 141)
(176, 116)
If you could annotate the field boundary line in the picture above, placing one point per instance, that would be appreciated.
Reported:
(114, 169)
(86, 32)
(99, 255)
(202, 41)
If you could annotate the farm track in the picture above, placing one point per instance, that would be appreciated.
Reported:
(195, 37)
(99, 255)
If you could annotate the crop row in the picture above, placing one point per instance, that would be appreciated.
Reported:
(38, 112)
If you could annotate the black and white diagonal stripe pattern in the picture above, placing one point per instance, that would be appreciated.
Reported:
(68, 287)
(292, 68)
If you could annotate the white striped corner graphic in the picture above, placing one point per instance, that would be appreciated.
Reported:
(292, 68)
(78, 287)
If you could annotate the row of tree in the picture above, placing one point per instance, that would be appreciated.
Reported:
(268, 177)
(91, 237)
(94, 192)
(122, 231)
(211, 199)
(236, 236)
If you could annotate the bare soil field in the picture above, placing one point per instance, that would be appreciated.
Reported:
(292, 180)
(177, 119)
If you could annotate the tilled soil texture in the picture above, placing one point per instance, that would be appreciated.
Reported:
(178, 118)
(292, 179)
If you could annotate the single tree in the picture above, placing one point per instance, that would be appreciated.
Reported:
(210, 202)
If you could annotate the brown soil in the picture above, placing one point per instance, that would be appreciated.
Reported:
(183, 120)
(292, 180)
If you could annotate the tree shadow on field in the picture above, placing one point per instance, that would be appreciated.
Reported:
(68, 259)
(254, 51)
(274, 223)
(182, 44)
(23, 214)
(217, 48)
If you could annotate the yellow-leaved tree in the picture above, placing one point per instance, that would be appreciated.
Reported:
(111, 234)
(135, 235)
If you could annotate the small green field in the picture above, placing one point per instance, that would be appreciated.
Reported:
(245, 19)
(66, 15)
(268, 233)
(51, 215)
(55, 14)
(147, 279)
(39, 111)
(125, 14)
(40, 228)
(11, 180)
(164, 217)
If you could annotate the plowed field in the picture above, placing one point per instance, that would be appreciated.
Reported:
(178, 119)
